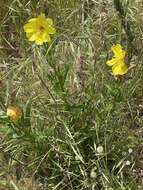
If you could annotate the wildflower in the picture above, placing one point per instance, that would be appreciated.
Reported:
(117, 63)
(100, 149)
(14, 113)
(127, 163)
(93, 173)
(39, 29)
(130, 150)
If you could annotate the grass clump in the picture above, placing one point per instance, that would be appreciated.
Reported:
(79, 127)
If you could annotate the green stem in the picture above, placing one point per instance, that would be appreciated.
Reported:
(126, 25)
(127, 28)
(42, 81)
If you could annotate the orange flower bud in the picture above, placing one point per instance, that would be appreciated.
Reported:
(14, 113)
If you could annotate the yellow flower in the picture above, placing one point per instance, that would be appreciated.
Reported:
(14, 113)
(39, 29)
(117, 63)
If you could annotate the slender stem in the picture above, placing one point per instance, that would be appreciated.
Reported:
(131, 49)
(126, 25)
(43, 83)
(46, 87)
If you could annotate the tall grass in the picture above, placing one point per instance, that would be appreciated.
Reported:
(81, 127)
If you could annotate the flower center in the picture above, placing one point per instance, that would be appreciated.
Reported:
(41, 28)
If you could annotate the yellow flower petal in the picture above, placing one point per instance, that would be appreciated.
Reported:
(41, 16)
(46, 37)
(118, 64)
(111, 62)
(39, 41)
(30, 27)
(32, 20)
(50, 21)
(28, 35)
(51, 30)
(39, 29)
(33, 37)
(120, 69)
(118, 51)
